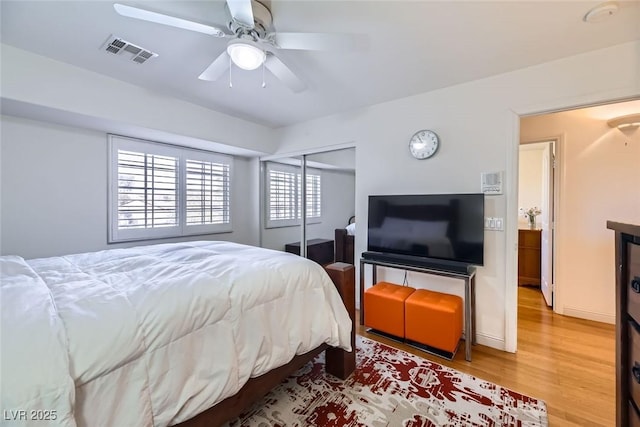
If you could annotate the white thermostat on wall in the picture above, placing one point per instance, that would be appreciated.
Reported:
(491, 183)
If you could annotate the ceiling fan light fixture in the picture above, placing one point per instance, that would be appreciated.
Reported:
(246, 54)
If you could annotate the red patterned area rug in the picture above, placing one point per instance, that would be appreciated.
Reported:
(391, 388)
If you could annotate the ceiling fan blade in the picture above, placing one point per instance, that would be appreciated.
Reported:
(217, 68)
(241, 12)
(159, 18)
(319, 41)
(284, 74)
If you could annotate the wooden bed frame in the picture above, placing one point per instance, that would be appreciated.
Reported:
(344, 244)
(338, 362)
(344, 251)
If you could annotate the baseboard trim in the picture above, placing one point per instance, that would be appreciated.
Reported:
(589, 315)
(490, 341)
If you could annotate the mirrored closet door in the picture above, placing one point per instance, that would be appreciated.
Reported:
(281, 227)
(322, 182)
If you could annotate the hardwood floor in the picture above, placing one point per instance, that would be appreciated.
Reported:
(567, 362)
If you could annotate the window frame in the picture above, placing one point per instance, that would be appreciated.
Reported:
(297, 221)
(116, 235)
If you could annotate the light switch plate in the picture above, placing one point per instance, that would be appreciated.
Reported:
(493, 223)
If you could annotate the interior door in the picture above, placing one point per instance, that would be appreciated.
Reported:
(547, 224)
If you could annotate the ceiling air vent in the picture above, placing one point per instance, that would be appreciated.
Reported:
(129, 51)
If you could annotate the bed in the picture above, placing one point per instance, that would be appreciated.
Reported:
(163, 334)
(344, 242)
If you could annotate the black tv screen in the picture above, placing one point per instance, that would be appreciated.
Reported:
(440, 227)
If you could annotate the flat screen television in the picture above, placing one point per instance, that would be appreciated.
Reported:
(440, 228)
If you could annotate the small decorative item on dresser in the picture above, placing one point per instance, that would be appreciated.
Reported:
(531, 214)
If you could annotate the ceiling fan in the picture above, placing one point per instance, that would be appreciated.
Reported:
(253, 40)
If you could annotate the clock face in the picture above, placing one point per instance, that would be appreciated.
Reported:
(424, 144)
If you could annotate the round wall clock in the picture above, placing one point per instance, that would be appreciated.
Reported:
(424, 144)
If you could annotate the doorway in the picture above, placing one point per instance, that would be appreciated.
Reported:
(536, 201)
(595, 180)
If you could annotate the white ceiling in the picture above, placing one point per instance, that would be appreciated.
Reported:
(414, 47)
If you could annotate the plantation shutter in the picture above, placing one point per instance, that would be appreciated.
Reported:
(314, 196)
(207, 192)
(159, 190)
(147, 190)
(284, 195)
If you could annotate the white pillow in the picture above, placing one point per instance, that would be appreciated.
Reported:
(351, 229)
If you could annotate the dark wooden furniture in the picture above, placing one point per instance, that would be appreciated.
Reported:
(318, 250)
(529, 244)
(469, 278)
(344, 246)
(627, 241)
(338, 362)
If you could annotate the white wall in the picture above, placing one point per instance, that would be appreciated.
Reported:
(33, 84)
(53, 192)
(530, 178)
(599, 182)
(478, 126)
(338, 205)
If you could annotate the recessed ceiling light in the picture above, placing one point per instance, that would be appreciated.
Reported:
(601, 12)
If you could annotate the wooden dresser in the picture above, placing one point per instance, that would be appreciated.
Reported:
(627, 241)
(318, 250)
(529, 243)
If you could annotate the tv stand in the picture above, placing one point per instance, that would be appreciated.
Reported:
(430, 263)
(468, 276)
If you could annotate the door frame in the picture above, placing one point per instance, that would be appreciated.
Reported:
(512, 122)
(557, 141)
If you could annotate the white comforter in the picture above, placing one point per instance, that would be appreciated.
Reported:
(154, 335)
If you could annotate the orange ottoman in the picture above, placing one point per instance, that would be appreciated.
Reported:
(434, 319)
(384, 307)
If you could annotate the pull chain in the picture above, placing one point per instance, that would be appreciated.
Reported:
(264, 83)
(230, 68)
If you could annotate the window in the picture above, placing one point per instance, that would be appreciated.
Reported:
(147, 190)
(159, 190)
(284, 195)
(314, 209)
(207, 192)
